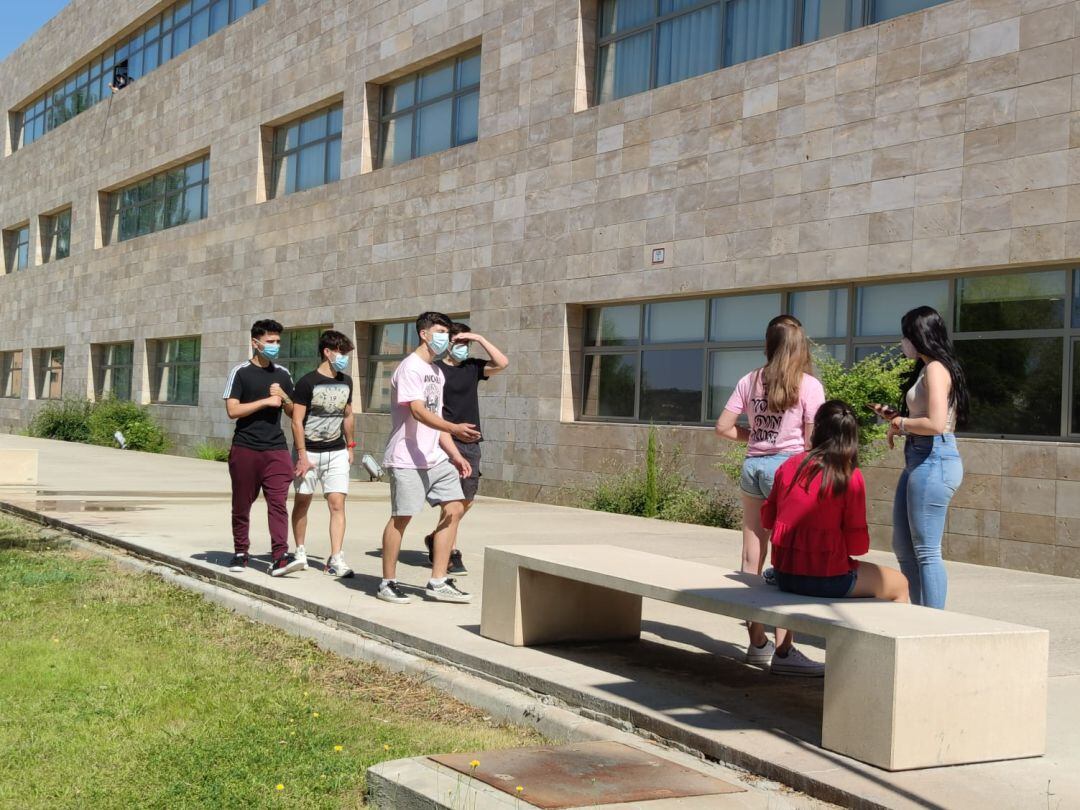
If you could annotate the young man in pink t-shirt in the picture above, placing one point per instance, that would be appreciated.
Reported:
(423, 463)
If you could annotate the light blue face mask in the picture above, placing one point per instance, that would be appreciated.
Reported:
(439, 342)
(460, 352)
(269, 350)
(340, 362)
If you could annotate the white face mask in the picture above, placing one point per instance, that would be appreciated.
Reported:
(908, 348)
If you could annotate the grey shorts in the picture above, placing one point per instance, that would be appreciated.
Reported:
(409, 489)
(471, 452)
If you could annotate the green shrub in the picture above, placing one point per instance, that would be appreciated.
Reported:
(661, 489)
(80, 420)
(65, 420)
(208, 451)
(140, 431)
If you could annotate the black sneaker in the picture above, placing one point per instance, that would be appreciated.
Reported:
(391, 592)
(239, 563)
(429, 541)
(456, 567)
(285, 565)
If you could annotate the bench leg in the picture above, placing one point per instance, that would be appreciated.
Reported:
(919, 702)
(523, 607)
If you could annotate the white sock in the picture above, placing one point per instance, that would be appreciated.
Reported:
(435, 583)
(386, 582)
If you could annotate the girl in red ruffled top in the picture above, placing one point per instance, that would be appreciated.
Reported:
(817, 514)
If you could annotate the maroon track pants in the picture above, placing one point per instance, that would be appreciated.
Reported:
(270, 471)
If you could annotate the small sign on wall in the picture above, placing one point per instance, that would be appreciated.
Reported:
(658, 255)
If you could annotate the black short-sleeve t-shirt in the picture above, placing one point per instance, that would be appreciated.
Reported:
(249, 382)
(325, 399)
(461, 401)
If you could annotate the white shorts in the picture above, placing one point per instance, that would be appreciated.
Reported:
(329, 468)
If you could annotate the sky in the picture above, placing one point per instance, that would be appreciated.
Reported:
(22, 18)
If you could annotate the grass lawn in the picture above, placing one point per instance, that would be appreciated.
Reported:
(119, 690)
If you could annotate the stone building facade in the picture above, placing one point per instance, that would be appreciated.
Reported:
(942, 144)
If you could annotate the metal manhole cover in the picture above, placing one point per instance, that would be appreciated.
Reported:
(584, 774)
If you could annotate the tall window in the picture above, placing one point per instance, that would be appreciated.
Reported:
(49, 371)
(167, 199)
(650, 43)
(432, 110)
(113, 367)
(56, 236)
(164, 36)
(300, 350)
(307, 152)
(174, 378)
(17, 248)
(1017, 336)
(390, 343)
(11, 364)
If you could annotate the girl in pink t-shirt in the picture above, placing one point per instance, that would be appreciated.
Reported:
(780, 400)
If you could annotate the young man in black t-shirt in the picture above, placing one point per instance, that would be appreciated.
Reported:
(322, 425)
(255, 394)
(461, 403)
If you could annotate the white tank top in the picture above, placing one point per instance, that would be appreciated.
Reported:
(918, 403)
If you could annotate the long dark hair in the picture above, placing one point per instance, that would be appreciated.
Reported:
(926, 330)
(834, 451)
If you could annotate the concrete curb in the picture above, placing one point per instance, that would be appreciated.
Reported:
(555, 711)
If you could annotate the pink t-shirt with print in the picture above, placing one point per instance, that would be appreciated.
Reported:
(413, 445)
(770, 432)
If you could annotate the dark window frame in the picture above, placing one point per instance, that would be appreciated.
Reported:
(46, 371)
(16, 248)
(290, 360)
(159, 347)
(103, 365)
(373, 359)
(130, 198)
(9, 371)
(457, 91)
(56, 225)
(1068, 334)
(280, 154)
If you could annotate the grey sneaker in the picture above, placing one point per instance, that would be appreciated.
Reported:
(447, 592)
(391, 592)
(795, 663)
(301, 557)
(760, 656)
(337, 567)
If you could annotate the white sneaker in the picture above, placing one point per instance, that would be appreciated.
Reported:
(795, 663)
(337, 567)
(760, 656)
(301, 556)
(391, 592)
(447, 592)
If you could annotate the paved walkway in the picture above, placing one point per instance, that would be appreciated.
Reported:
(682, 680)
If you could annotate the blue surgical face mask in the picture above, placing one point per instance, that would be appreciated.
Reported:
(340, 362)
(269, 350)
(439, 342)
(460, 352)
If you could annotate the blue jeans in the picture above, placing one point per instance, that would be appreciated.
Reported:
(758, 473)
(932, 473)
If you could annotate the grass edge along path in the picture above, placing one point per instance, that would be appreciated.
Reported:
(121, 690)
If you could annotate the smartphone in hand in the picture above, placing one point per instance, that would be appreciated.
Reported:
(884, 411)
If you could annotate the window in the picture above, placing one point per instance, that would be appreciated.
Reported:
(17, 248)
(390, 343)
(1017, 336)
(175, 371)
(11, 374)
(56, 236)
(307, 152)
(170, 198)
(49, 371)
(650, 43)
(164, 36)
(434, 109)
(300, 350)
(113, 366)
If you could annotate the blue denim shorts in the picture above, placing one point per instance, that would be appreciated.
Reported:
(758, 473)
(836, 587)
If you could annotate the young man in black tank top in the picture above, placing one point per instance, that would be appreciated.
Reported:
(461, 403)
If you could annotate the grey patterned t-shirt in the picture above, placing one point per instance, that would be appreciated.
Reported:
(325, 399)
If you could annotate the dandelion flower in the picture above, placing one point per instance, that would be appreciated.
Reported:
(474, 764)
(314, 714)
(339, 748)
(279, 786)
(519, 789)
(385, 747)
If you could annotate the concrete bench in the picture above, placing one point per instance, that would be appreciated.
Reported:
(906, 686)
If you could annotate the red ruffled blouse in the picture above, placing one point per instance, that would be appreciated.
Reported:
(814, 536)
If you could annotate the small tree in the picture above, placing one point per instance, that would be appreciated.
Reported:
(651, 494)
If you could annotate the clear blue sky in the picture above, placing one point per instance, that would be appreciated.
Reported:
(22, 18)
